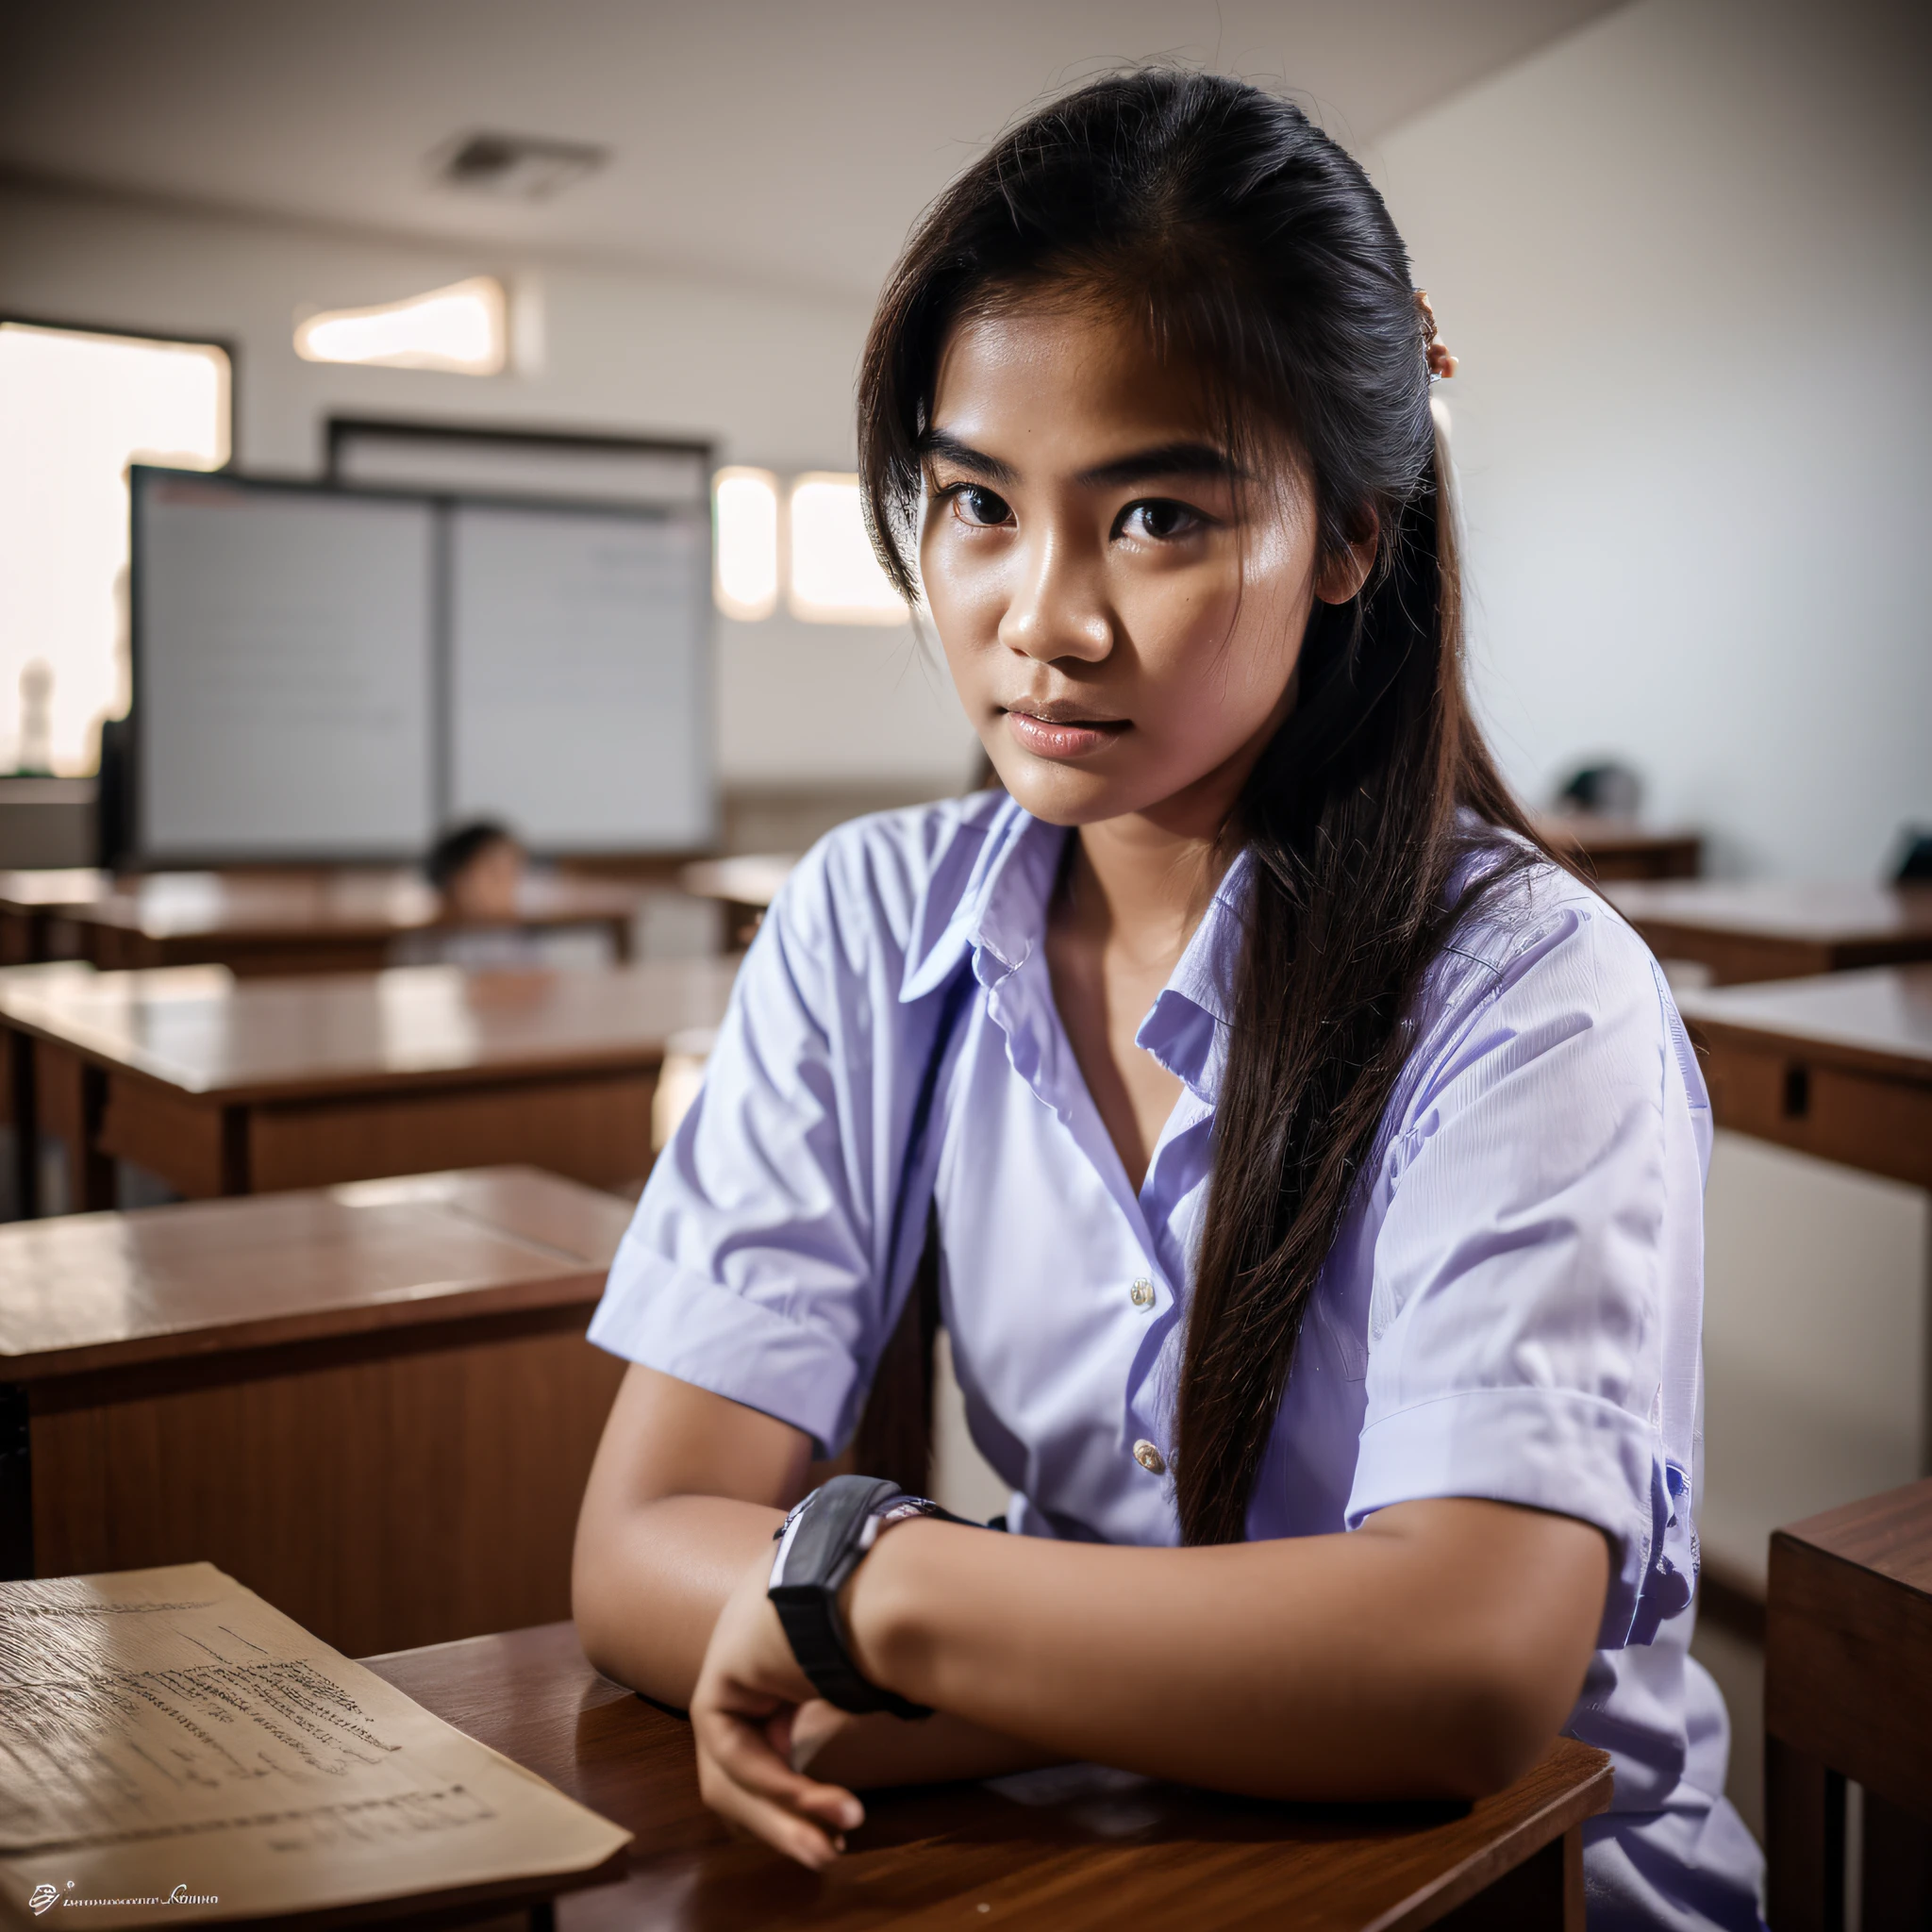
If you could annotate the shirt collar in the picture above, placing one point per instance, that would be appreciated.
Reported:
(1000, 913)
(1000, 917)
(1187, 1030)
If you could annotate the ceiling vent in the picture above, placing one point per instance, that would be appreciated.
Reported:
(516, 167)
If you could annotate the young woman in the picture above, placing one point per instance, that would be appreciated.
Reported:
(1313, 1168)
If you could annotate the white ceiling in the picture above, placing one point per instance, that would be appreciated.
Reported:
(782, 142)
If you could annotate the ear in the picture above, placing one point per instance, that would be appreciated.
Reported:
(1344, 571)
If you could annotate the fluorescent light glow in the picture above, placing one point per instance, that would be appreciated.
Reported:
(75, 410)
(834, 577)
(745, 505)
(460, 328)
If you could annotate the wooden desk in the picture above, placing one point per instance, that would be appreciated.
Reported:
(374, 1404)
(223, 1086)
(1622, 849)
(745, 886)
(1767, 931)
(1848, 1694)
(32, 901)
(314, 922)
(1151, 1856)
(1840, 1066)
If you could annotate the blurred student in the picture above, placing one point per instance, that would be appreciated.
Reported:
(1314, 1167)
(480, 872)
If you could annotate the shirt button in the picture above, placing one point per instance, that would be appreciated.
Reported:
(1141, 1294)
(1149, 1458)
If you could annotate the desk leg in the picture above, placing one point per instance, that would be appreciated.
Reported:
(26, 1137)
(1897, 1869)
(16, 1484)
(1544, 1893)
(1926, 1364)
(72, 1096)
(1804, 1840)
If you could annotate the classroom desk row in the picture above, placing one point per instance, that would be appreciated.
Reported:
(222, 1086)
(1771, 929)
(314, 920)
(226, 1086)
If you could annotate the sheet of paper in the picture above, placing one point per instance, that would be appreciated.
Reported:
(171, 1742)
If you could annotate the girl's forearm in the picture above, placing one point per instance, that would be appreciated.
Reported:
(648, 1591)
(647, 1610)
(1387, 1663)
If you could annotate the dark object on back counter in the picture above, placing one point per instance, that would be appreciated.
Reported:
(1609, 790)
(1914, 858)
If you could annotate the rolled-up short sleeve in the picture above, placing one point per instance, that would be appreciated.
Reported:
(1538, 1289)
(762, 1264)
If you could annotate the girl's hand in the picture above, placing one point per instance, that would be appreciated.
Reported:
(743, 1712)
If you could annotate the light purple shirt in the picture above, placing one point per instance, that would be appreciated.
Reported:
(1511, 1308)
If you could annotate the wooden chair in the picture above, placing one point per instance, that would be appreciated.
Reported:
(1848, 1694)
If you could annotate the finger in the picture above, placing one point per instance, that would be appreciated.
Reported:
(785, 1830)
(743, 1753)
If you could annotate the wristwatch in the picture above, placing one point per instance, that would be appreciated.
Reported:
(820, 1545)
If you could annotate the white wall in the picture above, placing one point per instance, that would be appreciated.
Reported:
(767, 376)
(1686, 256)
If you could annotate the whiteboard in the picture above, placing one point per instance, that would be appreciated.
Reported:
(284, 671)
(580, 675)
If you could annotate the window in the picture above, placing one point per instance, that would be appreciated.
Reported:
(462, 330)
(810, 536)
(834, 577)
(746, 547)
(75, 410)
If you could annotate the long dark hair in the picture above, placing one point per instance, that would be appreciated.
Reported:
(1249, 245)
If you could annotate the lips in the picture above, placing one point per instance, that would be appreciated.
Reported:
(1057, 730)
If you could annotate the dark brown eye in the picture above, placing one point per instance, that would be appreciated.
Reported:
(1159, 518)
(976, 505)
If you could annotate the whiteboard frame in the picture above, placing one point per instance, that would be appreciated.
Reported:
(345, 431)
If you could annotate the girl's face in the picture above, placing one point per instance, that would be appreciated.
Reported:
(1122, 621)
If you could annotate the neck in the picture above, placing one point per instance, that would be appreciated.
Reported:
(1143, 881)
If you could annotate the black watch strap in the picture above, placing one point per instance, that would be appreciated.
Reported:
(820, 1545)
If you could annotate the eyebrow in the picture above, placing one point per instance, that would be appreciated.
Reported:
(946, 448)
(1163, 459)
(1179, 459)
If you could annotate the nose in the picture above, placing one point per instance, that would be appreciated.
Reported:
(1058, 609)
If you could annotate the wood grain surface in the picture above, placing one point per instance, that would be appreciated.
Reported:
(1772, 930)
(1108, 1852)
(345, 903)
(373, 1405)
(200, 1030)
(1838, 1065)
(1611, 849)
(87, 1293)
(304, 919)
